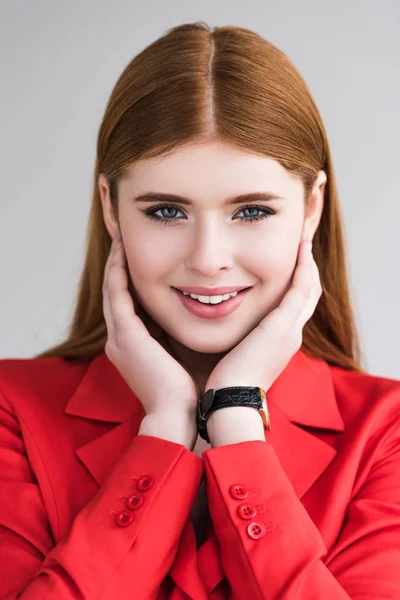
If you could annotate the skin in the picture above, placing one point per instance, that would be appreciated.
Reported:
(211, 243)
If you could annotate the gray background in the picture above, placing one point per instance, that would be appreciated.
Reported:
(59, 62)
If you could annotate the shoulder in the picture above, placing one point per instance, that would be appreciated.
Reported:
(39, 382)
(364, 398)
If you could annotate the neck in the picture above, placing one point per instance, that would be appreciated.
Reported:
(198, 364)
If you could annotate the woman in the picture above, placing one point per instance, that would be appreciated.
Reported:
(213, 171)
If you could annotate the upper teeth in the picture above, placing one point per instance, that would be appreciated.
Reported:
(211, 299)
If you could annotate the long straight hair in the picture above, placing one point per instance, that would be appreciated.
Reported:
(196, 84)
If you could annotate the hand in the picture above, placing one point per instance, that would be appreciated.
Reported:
(158, 380)
(263, 354)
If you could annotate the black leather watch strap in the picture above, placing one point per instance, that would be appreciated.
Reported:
(230, 396)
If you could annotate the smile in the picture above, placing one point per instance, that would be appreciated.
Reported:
(216, 309)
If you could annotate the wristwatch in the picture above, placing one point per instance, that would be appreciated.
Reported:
(231, 396)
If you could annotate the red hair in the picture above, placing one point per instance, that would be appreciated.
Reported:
(197, 84)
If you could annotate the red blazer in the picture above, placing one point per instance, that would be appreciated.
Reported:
(91, 511)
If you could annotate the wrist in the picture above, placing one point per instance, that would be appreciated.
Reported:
(234, 424)
(171, 426)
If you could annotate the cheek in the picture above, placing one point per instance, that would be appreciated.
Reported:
(274, 268)
(273, 261)
(147, 260)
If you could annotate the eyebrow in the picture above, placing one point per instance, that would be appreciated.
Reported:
(249, 197)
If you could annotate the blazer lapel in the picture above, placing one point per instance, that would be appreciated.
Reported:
(301, 403)
(104, 396)
(302, 397)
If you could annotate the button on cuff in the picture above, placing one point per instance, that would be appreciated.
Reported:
(238, 491)
(125, 518)
(144, 483)
(134, 501)
(256, 530)
(246, 511)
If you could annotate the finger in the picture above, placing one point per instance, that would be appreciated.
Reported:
(300, 301)
(152, 327)
(120, 301)
(106, 303)
(311, 305)
(142, 314)
(311, 283)
(106, 300)
(139, 311)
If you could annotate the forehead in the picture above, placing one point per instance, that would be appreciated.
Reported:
(211, 168)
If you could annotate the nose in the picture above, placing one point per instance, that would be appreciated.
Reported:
(210, 250)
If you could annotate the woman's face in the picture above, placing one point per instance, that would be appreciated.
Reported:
(210, 240)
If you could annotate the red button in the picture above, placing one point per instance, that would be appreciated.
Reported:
(145, 483)
(256, 530)
(124, 519)
(134, 501)
(246, 511)
(239, 492)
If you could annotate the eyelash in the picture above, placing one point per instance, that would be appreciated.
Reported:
(268, 212)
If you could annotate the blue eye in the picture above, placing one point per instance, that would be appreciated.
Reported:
(263, 213)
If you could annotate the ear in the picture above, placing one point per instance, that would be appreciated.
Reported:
(314, 207)
(109, 217)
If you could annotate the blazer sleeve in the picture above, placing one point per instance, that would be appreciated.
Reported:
(286, 559)
(98, 558)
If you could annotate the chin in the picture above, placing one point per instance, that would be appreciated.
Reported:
(209, 345)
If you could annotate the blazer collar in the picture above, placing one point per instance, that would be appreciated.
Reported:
(103, 394)
(303, 392)
(301, 397)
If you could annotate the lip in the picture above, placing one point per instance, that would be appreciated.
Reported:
(211, 311)
(216, 291)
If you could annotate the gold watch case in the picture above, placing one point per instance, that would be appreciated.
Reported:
(264, 412)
